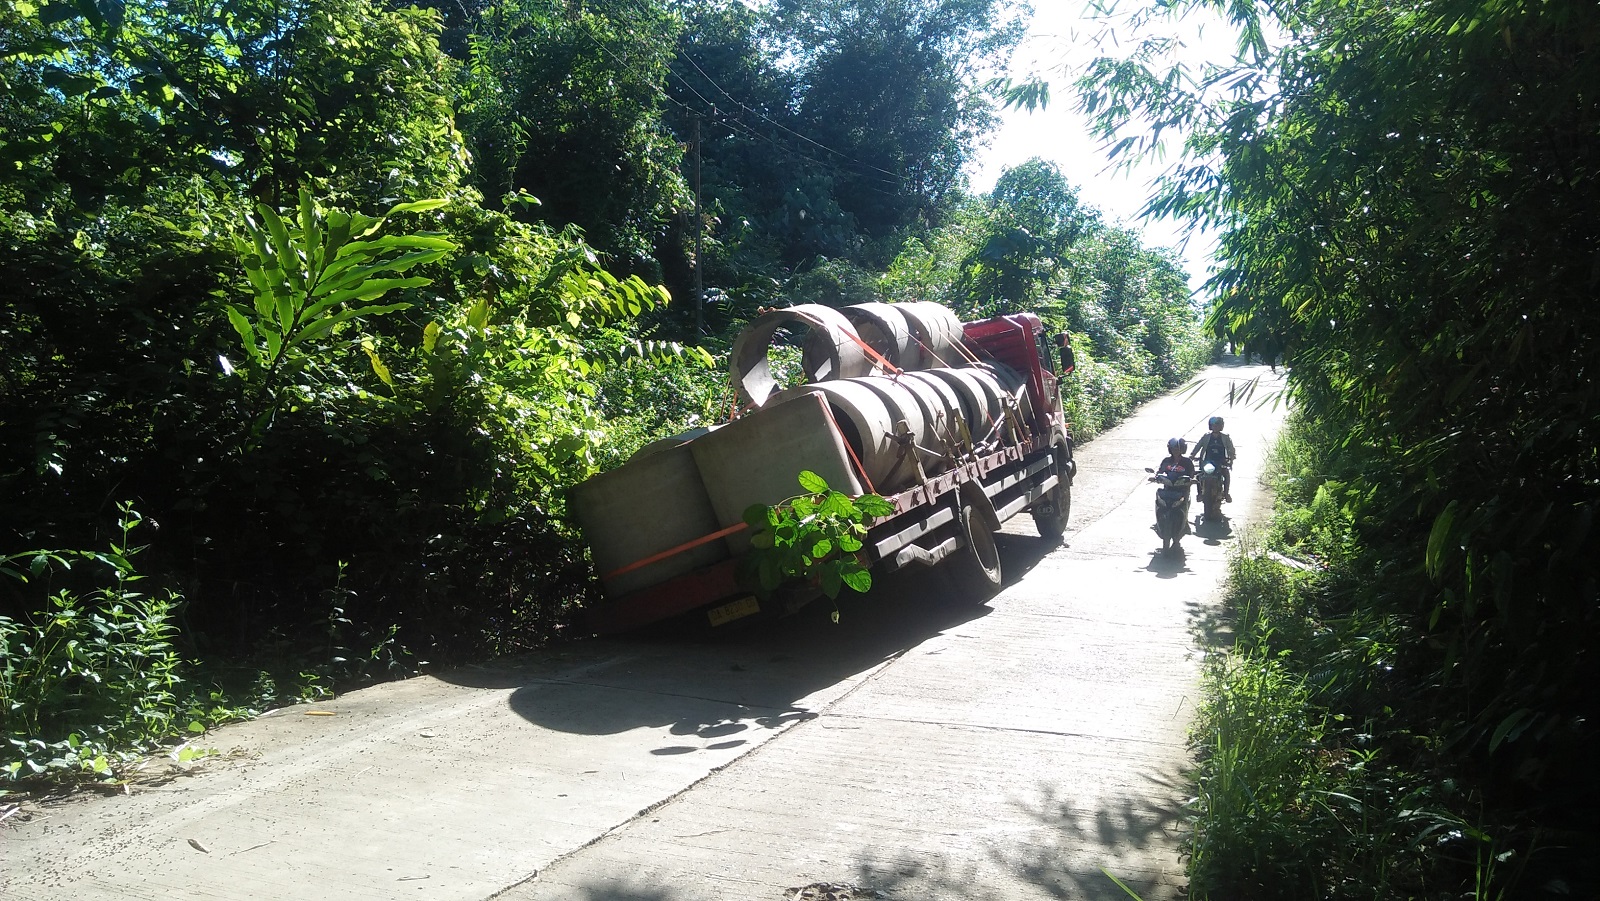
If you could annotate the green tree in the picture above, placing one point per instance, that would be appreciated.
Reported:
(565, 105)
(1027, 256)
(1408, 196)
(889, 90)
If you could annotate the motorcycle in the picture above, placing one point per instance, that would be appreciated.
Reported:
(1172, 509)
(1208, 488)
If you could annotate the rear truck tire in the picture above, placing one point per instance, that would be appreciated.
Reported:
(975, 569)
(1052, 524)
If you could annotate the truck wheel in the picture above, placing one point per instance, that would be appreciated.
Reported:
(1053, 525)
(975, 570)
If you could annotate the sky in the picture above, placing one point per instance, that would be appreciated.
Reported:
(1063, 31)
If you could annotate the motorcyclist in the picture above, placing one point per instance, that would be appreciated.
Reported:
(1216, 448)
(1175, 464)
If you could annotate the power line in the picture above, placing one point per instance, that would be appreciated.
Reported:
(898, 179)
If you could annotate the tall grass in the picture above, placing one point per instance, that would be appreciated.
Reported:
(1314, 781)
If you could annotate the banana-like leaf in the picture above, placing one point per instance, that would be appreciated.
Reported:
(247, 334)
(390, 242)
(372, 289)
(326, 324)
(283, 247)
(350, 276)
(310, 231)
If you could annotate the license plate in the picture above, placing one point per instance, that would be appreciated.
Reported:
(727, 613)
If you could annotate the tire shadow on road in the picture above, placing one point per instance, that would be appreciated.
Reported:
(1168, 564)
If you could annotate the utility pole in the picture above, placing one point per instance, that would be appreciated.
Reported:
(699, 225)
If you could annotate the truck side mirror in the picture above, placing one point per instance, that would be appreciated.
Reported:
(1069, 361)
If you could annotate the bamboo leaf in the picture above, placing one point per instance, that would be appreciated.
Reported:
(1439, 538)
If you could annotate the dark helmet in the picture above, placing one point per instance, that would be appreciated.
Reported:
(1216, 422)
(1177, 445)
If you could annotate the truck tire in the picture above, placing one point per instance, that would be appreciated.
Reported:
(1053, 524)
(975, 569)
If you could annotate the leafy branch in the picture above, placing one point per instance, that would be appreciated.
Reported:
(316, 271)
(813, 538)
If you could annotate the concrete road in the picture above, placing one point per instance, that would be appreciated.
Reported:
(918, 749)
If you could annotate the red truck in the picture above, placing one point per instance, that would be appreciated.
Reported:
(666, 530)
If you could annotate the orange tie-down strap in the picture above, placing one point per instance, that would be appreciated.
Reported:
(673, 551)
(865, 347)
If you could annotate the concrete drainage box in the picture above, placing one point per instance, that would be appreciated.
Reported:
(652, 503)
(758, 459)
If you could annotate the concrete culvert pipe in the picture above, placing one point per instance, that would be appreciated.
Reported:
(980, 398)
(867, 426)
(885, 330)
(670, 442)
(829, 350)
(938, 332)
(903, 407)
(1015, 385)
(949, 402)
(935, 417)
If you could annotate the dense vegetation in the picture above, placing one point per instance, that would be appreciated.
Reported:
(314, 309)
(1408, 194)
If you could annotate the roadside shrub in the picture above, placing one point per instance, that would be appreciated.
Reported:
(1319, 772)
(91, 679)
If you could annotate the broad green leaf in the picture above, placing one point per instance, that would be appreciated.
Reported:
(831, 581)
(859, 580)
(1439, 539)
(351, 276)
(283, 248)
(770, 577)
(247, 334)
(372, 289)
(327, 323)
(874, 505)
(311, 231)
(812, 482)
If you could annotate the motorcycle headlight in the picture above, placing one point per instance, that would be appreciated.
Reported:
(1210, 468)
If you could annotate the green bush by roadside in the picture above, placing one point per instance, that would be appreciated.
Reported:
(1318, 774)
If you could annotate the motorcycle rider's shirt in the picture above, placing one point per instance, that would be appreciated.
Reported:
(1215, 448)
(1175, 467)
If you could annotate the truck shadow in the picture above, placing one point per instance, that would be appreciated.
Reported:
(711, 688)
